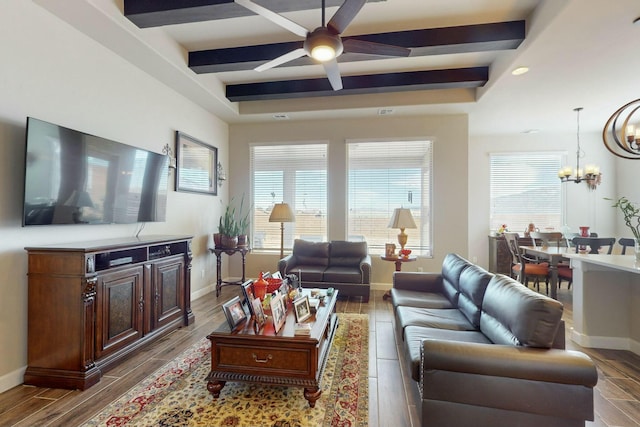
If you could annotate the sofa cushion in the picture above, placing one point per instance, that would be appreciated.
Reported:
(308, 273)
(473, 284)
(452, 267)
(419, 299)
(346, 254)
(444, 318)
(311, 253)
(415, 334)
(516, 315)
(342, 274)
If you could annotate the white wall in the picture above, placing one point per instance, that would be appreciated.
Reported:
(584, 207)
(52, 72)
(450, 135)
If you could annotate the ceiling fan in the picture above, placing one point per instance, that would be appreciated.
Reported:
(324, 43)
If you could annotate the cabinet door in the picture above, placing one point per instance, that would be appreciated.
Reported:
(119, 311)
(168, 287)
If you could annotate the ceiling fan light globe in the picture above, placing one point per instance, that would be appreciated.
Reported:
(322, 45)
(323, 53)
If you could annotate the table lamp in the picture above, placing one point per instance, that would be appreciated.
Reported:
(402, 219)
(282, 213)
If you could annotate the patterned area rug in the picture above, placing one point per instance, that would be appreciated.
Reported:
(176, 394)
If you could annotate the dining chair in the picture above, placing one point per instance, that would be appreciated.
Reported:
(548, 238)
(532, 267)
(626, 242)
(594, 243)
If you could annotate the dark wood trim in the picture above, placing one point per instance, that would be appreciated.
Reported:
(354, 85)
(431, 41)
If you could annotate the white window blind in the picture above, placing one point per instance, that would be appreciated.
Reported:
(384, 176)
(295, 174)
(524, 188)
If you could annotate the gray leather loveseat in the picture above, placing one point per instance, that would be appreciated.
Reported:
(341, 265)
(487, 351)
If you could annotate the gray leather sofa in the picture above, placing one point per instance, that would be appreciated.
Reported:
(341, 265)
(487, 351)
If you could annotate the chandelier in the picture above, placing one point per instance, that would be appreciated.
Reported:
(591, 173)
(627, 136)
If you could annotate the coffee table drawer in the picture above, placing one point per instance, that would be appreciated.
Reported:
(269, 359)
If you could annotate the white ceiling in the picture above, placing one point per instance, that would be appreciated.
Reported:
(581, 53)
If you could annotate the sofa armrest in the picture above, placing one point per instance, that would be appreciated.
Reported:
(526, 363)
(417, 281)
(365, 269)
(286, 263)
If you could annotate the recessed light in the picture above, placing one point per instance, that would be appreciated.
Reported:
(281, 116)
(385, 111)
(520, 71)
(531, 131)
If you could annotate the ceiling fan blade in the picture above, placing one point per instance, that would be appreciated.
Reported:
(294, 54)
(333, 74)
(345, 14)
(370, 48)
(280, 20)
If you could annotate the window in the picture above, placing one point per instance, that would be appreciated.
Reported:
(384, 176)
(295, 174)
(524, 188)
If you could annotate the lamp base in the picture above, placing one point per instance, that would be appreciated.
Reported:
(402, 239)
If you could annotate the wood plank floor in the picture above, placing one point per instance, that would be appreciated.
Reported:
(394, 398)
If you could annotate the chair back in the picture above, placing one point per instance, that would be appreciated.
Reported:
(548, 238)
(625, 242)
(594, 243)
(512, 244)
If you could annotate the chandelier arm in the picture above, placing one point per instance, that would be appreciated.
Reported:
(611, 125)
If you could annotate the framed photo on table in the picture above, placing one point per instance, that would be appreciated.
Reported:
(278, 312)
(258, 314)
(302, 309)
(247, 292)
(234, 312)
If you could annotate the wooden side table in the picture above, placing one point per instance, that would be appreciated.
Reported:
(398, 261)
(218, 252)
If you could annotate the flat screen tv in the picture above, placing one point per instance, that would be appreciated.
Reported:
(75, 178)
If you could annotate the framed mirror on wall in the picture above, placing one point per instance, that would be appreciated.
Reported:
(197, 165)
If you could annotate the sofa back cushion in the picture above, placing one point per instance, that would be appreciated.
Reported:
(473, 284)
(311, 253)
(346, 254)
(452, 267)
(514, 314)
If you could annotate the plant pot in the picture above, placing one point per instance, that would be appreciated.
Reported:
(636, 250)
(242, 240)
(217, 240)
(228, 242)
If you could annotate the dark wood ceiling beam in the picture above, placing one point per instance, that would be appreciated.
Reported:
(155, 13)
(431, 41)
(357, 85)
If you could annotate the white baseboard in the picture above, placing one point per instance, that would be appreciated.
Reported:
(202, 292)
(12, 379)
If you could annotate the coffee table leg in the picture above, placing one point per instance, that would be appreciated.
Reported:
(312, 394)
(214, 387)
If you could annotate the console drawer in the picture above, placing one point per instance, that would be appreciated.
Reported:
(266, 359)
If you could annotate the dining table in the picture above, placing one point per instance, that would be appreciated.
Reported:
(552, 254)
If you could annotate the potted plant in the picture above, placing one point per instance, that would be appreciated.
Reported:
(631, 215)
(243, 224)
(228, 229)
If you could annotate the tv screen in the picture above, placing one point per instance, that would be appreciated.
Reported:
(75, 178)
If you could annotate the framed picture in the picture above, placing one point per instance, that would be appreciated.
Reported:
(258, 314)
(390, 250)
(276, 275)
(247, 292)
(278, 312)
(301, 309)
(234, 312)
(197, 170)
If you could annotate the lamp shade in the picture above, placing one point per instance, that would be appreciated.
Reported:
(402, 218)
(282, 213)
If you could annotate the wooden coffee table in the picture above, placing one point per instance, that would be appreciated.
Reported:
(282, 359)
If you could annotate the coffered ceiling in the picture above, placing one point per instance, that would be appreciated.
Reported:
(462, 52)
